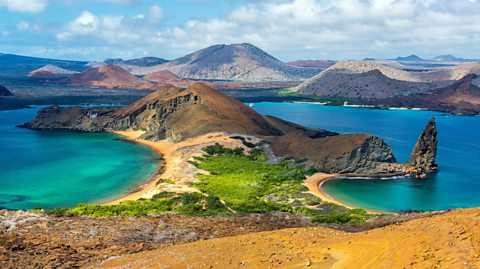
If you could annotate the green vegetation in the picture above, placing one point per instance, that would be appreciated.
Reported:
(166, 180)
(245, 183)
(184, 203)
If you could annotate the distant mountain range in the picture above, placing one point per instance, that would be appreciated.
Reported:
(313, 63)
(145, 61)
(410, 58)
(440, 58)
(17, 65)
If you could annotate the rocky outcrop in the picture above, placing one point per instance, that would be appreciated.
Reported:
(4, 91)
(76, 119)
(425, 150)
(361, 154)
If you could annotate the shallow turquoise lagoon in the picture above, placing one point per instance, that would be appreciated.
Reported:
(59, 169)
(458, 183)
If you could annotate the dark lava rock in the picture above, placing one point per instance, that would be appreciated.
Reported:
(425, 150)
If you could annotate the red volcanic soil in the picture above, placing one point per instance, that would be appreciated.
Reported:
(43, 74)
(462, 95)
(313, 63)
(166, 78)
(161, 76)
(109, 76)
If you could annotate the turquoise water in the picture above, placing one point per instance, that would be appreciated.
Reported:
(59, 169)
(458, 183)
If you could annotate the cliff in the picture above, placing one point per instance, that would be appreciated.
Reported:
(425, 150)
(362, 154)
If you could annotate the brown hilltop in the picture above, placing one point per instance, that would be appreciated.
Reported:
(175, 114)
(108, 76)
(166, 78)
(161, 76)
(462, 96)
(50, 71)
(371, 84)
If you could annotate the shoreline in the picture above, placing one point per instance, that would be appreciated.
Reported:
(151, 182)
(164, 150)
(314, 184)
(174, 156)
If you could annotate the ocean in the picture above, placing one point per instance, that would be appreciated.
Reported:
(42, 169)
(456, 186)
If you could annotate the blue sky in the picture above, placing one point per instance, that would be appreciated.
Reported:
(288, 29)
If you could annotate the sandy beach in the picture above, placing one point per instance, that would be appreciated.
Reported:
(314, 185)
(175, 166)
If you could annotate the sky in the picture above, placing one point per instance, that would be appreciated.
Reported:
(287, 29)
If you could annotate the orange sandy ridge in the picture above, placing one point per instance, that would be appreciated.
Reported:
(449, 240)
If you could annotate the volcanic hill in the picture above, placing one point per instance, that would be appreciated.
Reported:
(238, 62)
(463, 96)
(50, 71)
(108, 76)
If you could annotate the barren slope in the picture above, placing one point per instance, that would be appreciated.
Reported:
(109, 76)
(50, 71)
(449, 240)
(241, 62)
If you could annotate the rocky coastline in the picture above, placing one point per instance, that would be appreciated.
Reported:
(176, 115)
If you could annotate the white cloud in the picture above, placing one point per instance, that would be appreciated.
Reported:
(293, 29)
(139, 17)
(24, 6)
(84, 24)
(23, 25)
(155, 14)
